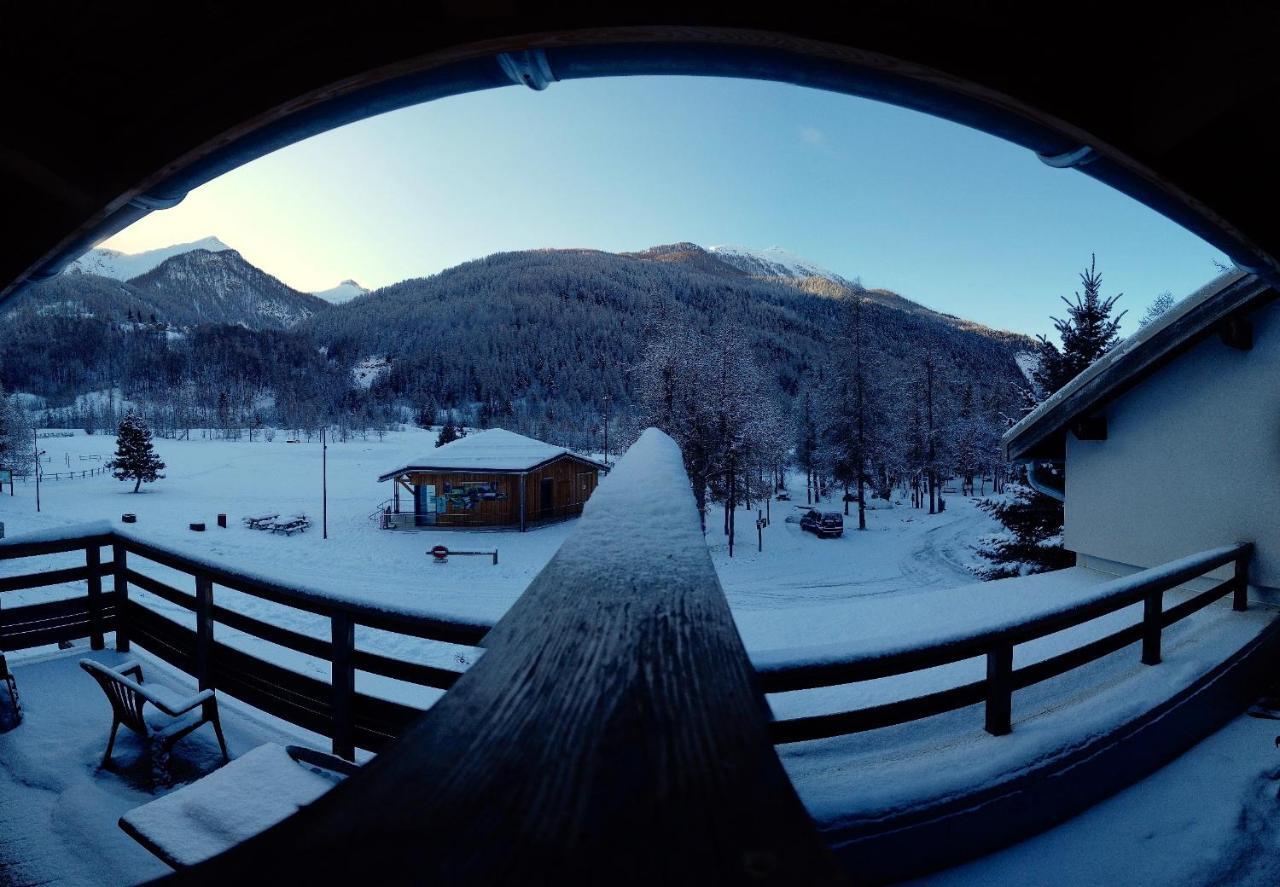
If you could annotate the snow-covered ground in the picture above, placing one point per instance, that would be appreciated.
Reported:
(898, 581)
(1210, 817)
(800, 590)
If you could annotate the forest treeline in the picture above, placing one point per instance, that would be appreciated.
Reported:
(534, 341)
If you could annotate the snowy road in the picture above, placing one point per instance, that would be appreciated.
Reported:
(804, 590)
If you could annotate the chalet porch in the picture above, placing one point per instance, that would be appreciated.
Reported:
(59, 808)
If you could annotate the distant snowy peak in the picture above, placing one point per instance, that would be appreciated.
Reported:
(343, 292)
(772, 262)
(126, 266)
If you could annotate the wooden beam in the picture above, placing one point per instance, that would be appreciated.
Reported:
(524, 480)
(612, 732)
(1237, 332)
(1090, 428)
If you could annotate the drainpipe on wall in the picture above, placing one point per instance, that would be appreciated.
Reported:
(1039, 477)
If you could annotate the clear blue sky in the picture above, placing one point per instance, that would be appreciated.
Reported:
(950, 217)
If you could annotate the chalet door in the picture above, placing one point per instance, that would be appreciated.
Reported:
(546, 497)
(424, 505)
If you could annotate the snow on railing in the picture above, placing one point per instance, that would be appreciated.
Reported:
(601, 555)
(803, 669)
(331, 708)
(613, 725)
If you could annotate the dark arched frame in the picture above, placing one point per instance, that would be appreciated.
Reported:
(538, 60)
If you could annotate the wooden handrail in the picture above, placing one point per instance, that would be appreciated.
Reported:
(334, 708)
(612, 731)
(781, 671)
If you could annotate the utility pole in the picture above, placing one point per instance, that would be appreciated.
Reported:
(35, 448)
(324, 482)
(606, 430)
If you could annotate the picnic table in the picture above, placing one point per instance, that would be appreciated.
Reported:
(296, 524)
(260, 522)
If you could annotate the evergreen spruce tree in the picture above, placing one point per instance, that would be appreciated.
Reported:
(1032, 542)
(135, 457)
(15, 436)
(448, 434)
(1087, 332)
(425, 416)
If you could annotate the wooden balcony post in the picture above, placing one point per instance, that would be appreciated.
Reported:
(1240, 596)
(93, 560)
(121, 584)
(204, 633)
(1000, 690)
(1152, 605)
(613, 731)
(344, 685)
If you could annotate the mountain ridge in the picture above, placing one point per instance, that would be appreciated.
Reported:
(126, 266)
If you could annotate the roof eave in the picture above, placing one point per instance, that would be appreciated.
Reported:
(441, 469)
(1043, 433)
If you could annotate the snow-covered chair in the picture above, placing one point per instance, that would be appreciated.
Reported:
(233, 803)
(175, 716)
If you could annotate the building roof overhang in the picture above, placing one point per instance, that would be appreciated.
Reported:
(479, 469)
(1041, 434)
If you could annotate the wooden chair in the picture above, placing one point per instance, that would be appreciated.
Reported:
(129, 696)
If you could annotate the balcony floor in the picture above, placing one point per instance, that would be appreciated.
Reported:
(58, 807)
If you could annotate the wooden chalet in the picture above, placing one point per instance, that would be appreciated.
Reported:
(493, 478)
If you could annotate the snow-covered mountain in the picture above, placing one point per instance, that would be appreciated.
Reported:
(772, 262)
(343, 292)
(126, 266)
(221, 287)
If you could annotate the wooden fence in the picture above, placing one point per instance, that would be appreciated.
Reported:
(330, 708)
(358, 720)
(997, 646)
(46, 476)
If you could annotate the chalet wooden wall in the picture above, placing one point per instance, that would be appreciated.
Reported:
(487, 512)
(574, 480)
(565, 473)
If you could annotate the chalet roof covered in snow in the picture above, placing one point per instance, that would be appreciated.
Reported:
(1209, 310)
(495, 450)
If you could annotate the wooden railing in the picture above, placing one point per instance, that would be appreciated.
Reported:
(614, 711)
(781, 673)
(358, 720)
(331, 708)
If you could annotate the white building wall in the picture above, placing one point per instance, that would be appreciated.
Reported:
(1191, 461)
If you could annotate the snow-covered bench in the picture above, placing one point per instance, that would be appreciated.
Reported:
(233, 803)
(162, 729)
(260, 522)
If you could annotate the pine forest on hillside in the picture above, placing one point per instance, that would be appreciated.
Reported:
(535, 342)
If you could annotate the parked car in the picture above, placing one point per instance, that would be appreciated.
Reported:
(784, 496)
(825, 524)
